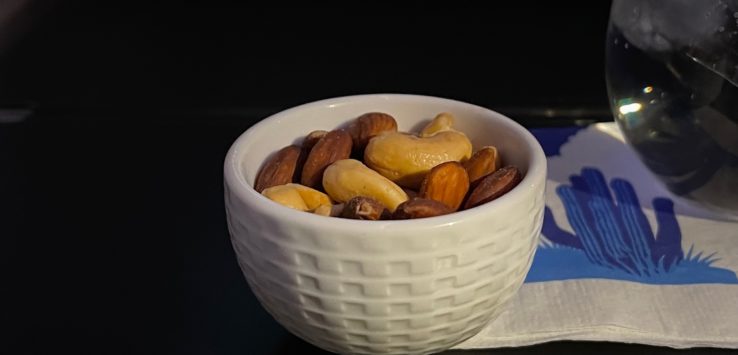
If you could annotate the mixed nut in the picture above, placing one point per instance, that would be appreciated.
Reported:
(372, 171)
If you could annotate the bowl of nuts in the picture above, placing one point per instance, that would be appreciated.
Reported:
(386, 223)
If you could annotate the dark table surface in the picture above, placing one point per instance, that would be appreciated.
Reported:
(119, 242)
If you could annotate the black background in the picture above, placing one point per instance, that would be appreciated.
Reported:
(86, 54)
(113, 228)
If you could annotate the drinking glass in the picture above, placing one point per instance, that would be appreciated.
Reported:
(672, 81)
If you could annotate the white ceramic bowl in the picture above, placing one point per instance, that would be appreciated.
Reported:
(413, 286)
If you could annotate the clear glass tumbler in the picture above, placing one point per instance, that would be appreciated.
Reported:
(672, 79)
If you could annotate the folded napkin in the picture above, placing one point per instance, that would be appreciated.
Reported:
(621, 259)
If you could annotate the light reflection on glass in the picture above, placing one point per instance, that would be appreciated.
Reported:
(630, 108)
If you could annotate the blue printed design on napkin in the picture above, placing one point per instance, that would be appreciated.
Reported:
(614, 240)
(612, 237)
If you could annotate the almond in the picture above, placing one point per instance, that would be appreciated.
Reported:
(420, 208)
(365, 208)
(307, 145)
(301, 159)
(278, 169)
(484, 162)
(334, 145)
(368, 126)
(447, 183)
(312, 138)
(493, 186)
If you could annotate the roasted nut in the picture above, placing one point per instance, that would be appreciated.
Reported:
(312, 138)
(323, 210)
(307, 145)
(406, 159)
(337, 209)
(297, 196)
(405, 176)
(369, 125)
(411, 194)
(493, 186)
(329, 210)
(442, 122)
(484, 162)
(297, 176)
(285, 196)
(335, 145)
(420, 208)
(366, 208)
(348, 178)
(278, 169)
(447, 183)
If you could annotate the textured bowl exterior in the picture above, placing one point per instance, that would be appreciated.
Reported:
(384, 287)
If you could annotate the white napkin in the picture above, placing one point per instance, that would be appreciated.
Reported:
(644, 267)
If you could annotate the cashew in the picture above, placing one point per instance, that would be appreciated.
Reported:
(297, 196)
(442, 122)
(348, 178)
(406, 159)
(323, 210)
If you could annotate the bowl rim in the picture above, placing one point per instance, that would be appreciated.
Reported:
(238, 186)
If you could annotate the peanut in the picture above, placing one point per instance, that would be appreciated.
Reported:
(406, 159)
(348, 178)
(297, 196)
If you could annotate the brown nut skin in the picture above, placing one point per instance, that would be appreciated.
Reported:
(329, 210)
(447, 183)
(365, 208)
(336, 210)
(297, 176)
(368, 126)
(312, 138)
(411, 194)
(493, 186)
(279, 169)
(484, 162)
(307, 145)
(335, 145)
(420, 208)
